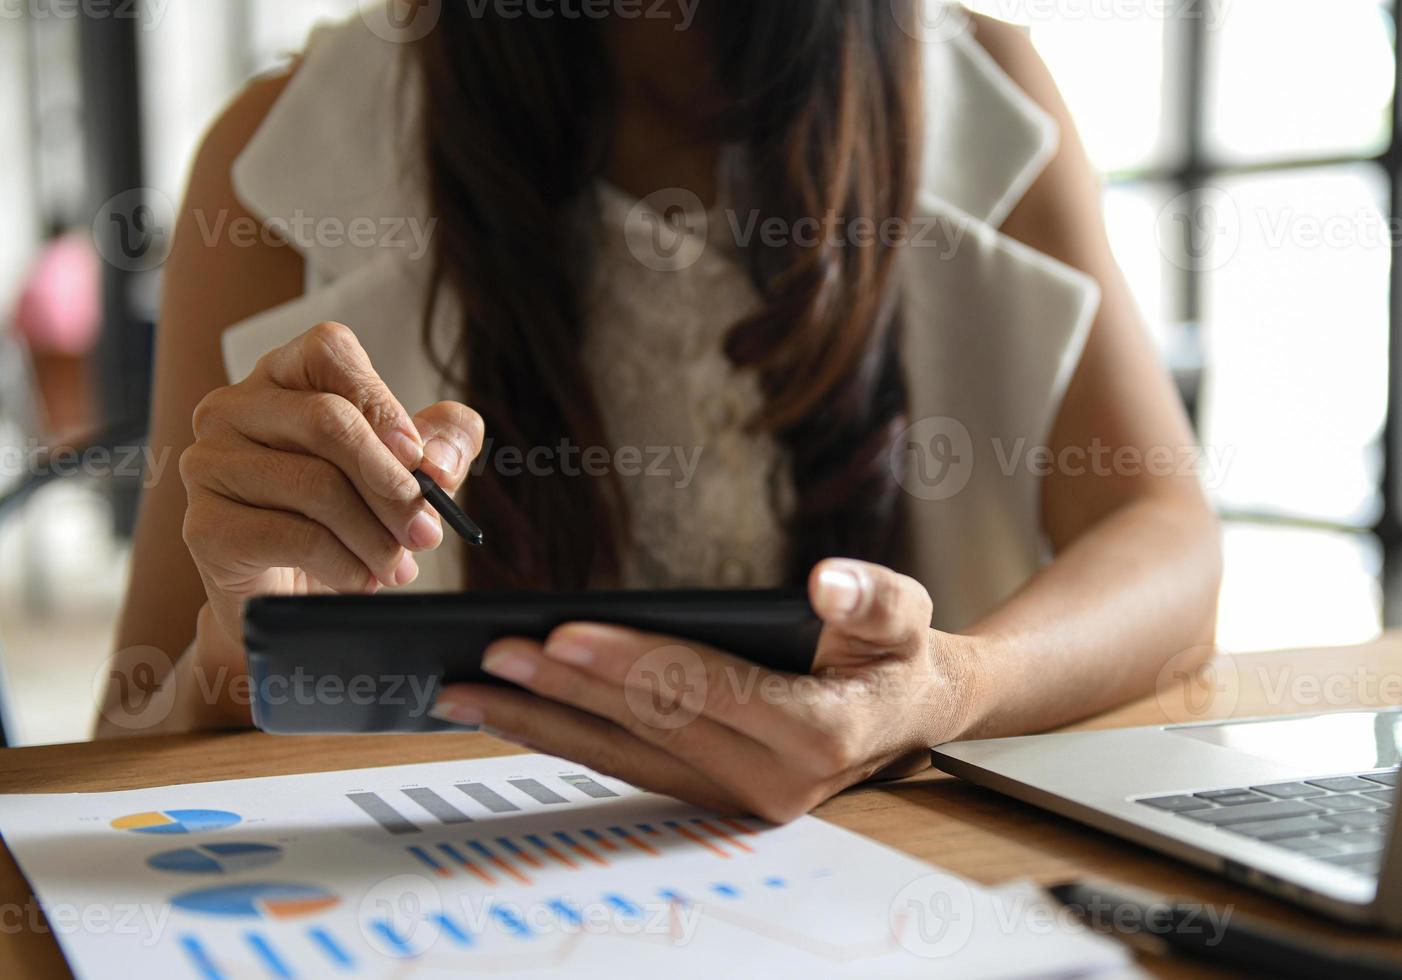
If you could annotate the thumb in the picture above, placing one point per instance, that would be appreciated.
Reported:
(867, 606)
(453, 436)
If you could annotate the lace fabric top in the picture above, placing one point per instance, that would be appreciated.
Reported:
(705, 497)
(992, 336)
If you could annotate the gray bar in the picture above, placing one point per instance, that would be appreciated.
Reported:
(384, 814)
(536, 791)
(488, 797)
(588, 786)
(436, 805)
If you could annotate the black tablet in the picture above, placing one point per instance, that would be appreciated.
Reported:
(361, 664)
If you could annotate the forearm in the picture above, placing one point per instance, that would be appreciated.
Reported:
(1095, 628)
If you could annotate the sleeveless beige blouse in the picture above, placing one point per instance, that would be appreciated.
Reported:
(994, 329)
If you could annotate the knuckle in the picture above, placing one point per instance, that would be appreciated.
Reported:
(833, 749)
(309, 538)
(331, 337)
(333, 420)
(193, 526)
(315, 479)
(210, 409)
(192, 466)
(779, 806)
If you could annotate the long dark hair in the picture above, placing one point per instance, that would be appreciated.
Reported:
(823, 98)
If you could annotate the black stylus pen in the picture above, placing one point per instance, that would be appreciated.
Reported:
(449, 510)
(1215, 935)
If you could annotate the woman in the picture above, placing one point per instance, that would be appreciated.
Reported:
(908, 409)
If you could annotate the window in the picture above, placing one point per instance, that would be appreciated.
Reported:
(1250, 161)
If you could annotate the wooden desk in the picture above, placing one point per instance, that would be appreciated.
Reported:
(969, 830)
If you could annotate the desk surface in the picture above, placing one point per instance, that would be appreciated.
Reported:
(958, 826)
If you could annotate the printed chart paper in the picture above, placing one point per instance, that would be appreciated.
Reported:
(514, 867)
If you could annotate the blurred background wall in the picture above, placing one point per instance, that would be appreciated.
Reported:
(1251, 173)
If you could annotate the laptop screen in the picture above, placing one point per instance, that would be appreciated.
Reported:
(1338, 743)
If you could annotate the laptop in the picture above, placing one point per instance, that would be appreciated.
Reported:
(1302, 807)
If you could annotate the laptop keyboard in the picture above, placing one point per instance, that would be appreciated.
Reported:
(1341, 820)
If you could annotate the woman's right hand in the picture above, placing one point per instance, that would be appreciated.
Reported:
(299, 481)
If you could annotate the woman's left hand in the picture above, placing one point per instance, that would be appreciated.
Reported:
(709, 728)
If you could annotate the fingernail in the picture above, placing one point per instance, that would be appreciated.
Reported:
(407, 571)
(425, 533)
(443, 454)
(509, 665)
(839, 590)
(406, 449)
(569, 653)
(466, 715)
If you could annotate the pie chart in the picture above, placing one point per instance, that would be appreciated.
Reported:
(257, 901)
(213, 859)
(176, 821)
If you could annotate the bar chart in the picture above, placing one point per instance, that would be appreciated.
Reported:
(388, 811)
(513, 867)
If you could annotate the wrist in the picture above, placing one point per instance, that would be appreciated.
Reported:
(968, 661)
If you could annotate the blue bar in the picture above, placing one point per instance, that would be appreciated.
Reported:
(480, 848)
(595, 836)
(674, 897)
(271, 961)
(647, 828)
(726, 891)
(428, 862)
(453, 853)
(200, 959)
(506, 843)
(452, 931)
(565, 911)
(333, 950)
(391, 937)
(623, 905)
(564, 838)
(536, 840)
(511, 921)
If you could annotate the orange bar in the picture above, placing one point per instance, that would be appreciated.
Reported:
(505, 867)
(697, 839)
(482, 874)
(551, 852)
(584, 852)
(602, 841)
(739, 827)
(641, 845)
(711, 828)
(521, 853)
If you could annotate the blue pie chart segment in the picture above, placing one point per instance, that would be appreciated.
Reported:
(257, 901)
(176, 821)
(213, 859)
